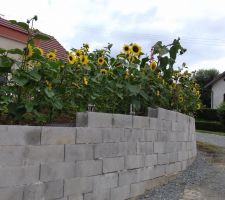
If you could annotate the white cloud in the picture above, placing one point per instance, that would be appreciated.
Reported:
(73, 22)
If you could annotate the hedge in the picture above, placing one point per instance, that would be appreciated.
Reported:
(209, 126)
(207, 114)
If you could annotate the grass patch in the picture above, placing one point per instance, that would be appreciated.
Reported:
(211, 132)
(209, 148)
(215, 153)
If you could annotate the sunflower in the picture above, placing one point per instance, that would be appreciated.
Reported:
(126, 49)
(103, 71)
(180, 98)
(71, 58)
(157, 93)
(153, 65)
(40, 50)
(51, 55)
(135, 49)
(126, 74)
(84, 60)
(49, 85)
(101, 60)
(79, 52)
(85, 81)
(29, 51)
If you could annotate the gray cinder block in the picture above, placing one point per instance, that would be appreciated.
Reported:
(20, 175)
(113, 164)
(77, 186)
(122, 121)
(48, 190)
(79, 152)
(89, 135)
(56, 171)
(58, 135)
(20, 135)
(134, 161)
(88, 168)
(120, 193)
(141, 122)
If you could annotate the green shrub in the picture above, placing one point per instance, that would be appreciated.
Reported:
(207, 114)
(221, 113)
(209, 126)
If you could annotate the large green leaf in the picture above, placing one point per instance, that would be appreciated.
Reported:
(143, 61)
(49, 93)
(15, 51)
(5, 64)
(2, 51)
(29, 106)
(34, 75)
(133, 89)
(20, 24)
(144, 94)
(20, 81)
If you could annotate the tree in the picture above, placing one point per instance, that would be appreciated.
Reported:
(203, 77)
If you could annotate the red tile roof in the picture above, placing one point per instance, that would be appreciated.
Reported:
(14, 32)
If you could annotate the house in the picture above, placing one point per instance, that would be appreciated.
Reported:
(12, 36)
(217, 90)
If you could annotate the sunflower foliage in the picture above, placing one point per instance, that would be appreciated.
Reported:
(38, 87)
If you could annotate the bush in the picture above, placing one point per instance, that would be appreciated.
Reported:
(207, 114)
(209, 126)
(221, 113)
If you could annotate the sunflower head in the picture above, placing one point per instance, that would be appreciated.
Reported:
(135, 49)
(51, 55)
(103, 71)
(79, 52)
(84, 60)
(85, 81)
(49, 85)
(71, 58)
(101, 60)
(126, 49)
(126, 74)
(40, 50)
(29, 51)
(153, 65)
(157, 93)
(180, 98)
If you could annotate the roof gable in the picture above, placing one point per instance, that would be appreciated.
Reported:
(12, 30)
(211, 83)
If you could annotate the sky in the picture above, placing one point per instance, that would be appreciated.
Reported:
(200, 24)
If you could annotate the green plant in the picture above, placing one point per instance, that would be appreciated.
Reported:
(221, 113)
(42, 87)
(207, 114)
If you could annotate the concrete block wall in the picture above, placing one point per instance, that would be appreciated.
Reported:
(105, 157)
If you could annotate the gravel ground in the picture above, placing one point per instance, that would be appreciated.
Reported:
(210, 138)
(201, 181)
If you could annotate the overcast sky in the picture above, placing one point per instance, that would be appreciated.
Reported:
(199, 23)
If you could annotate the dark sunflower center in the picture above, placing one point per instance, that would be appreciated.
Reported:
(126, 48)
(135, 49)
(70, 58)
(100, 60)
(50, 56)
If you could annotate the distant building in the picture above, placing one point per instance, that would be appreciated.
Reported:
(217, 90)
(12, 36)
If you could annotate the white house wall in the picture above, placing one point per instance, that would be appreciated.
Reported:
(6, 43)
(218, 90)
